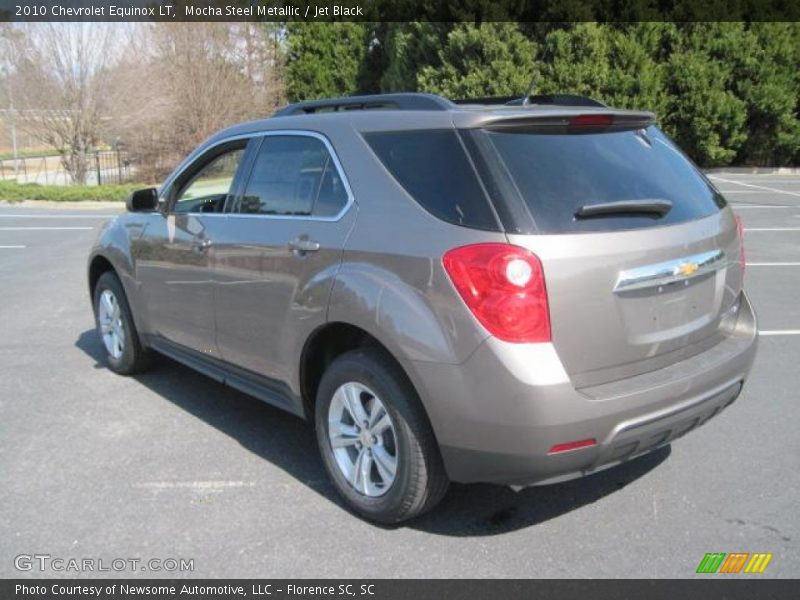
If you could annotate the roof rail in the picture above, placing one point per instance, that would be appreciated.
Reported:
(404, 101)
(554, 99)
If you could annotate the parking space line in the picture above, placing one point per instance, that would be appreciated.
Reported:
(44, 228)
(746, 229)
(11, 247)
(780, 332)
(196, 485)
(771, 180)
(51, 216)
(745, 192)
(741, 206)
(761, 187)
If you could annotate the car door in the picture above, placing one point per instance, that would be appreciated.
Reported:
(174, 256)
(276, 264)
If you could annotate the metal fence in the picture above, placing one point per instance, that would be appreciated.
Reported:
(104, 166)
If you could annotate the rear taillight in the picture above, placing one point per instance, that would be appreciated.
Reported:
(503, 286)
(742, 258)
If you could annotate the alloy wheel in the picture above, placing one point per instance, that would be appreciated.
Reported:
(112, 327)
(363, 439)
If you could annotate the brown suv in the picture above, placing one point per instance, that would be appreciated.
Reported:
(477, 292)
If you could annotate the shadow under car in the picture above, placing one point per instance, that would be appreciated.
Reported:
(289, 443)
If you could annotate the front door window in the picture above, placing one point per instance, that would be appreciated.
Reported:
(208, 189)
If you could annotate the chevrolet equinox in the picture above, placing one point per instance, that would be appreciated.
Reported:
(492, 290)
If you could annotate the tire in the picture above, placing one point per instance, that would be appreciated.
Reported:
(419, 480)
(128, 356)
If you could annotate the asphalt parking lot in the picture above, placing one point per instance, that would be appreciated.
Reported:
(170, 464)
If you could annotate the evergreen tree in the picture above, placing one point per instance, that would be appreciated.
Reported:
(764, 61)
(325, 59)
(492, 59)
(729, 93)
(409, 48)
(703, 114)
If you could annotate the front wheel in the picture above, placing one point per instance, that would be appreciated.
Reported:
(376, 442)
(114, 323)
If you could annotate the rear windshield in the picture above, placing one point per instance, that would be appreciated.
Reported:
(556, 174)
(434, 169)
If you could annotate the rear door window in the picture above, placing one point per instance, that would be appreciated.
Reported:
(435, 171)
(294, 175)
(556, 174)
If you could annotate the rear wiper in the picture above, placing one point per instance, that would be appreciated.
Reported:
(655, 208)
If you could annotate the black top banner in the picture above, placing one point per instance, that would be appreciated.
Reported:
(400, 10)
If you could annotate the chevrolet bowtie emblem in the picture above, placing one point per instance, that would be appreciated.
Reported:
(687, 269)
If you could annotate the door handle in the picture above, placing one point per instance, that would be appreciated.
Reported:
(302, 245)
(200, 246)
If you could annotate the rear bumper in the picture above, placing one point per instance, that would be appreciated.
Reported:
(497, 415)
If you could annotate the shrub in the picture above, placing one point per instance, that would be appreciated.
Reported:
(15, 192)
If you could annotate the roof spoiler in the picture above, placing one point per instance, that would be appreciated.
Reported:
(576, 122)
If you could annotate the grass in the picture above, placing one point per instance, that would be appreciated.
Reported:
(15, 192)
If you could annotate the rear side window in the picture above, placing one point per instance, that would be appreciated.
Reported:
(434, 169)
(556, 174)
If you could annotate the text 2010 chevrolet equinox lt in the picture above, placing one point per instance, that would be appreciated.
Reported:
(509, 292)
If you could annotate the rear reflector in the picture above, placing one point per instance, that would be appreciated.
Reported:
(591, 121)
(558, 448)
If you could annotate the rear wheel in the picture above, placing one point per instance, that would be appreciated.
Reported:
(114, 323)
(375, 439)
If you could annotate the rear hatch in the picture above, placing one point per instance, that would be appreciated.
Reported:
(641, 257)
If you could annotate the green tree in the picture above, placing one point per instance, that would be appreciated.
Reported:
(636, 77)
(654, 66)
(325, 59)
(706, 120)
(729, 93)
(375, 60)
(492, 59)
(408, 48)
(576, 60)
(765, 76)
(703, 115)
(616, 64)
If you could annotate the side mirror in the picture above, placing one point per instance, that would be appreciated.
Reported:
(145, 200)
